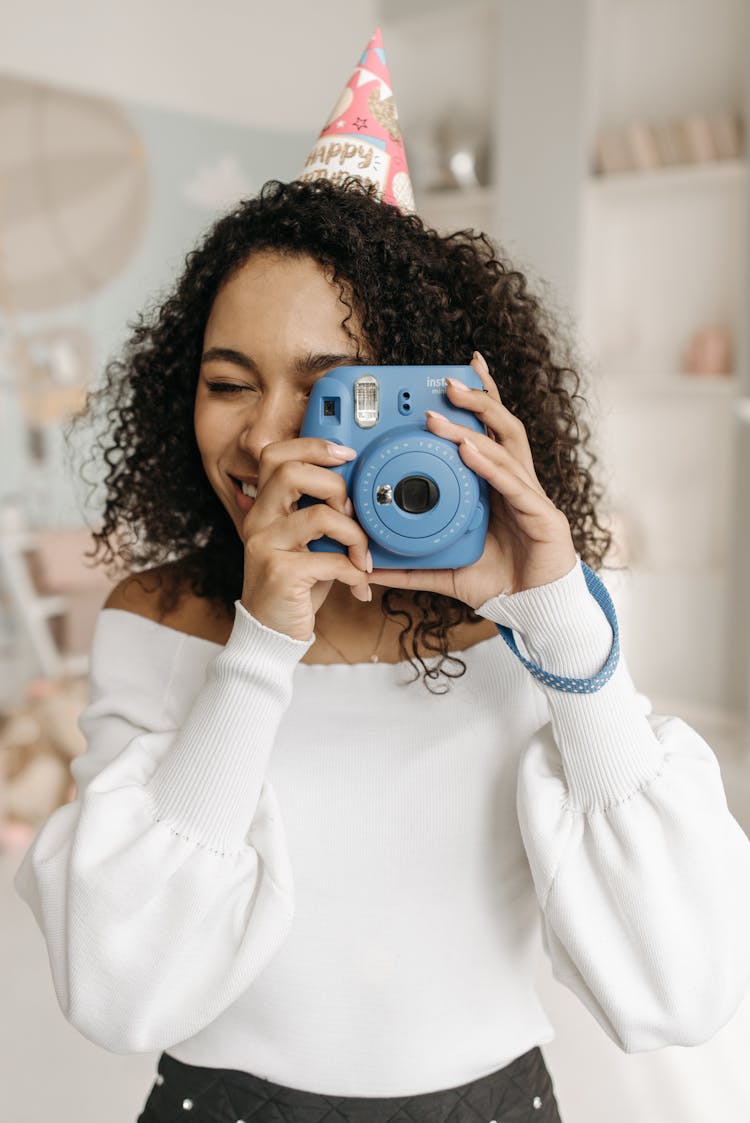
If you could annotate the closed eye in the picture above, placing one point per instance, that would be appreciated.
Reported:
(226, 387)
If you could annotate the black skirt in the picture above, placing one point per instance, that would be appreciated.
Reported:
(521, 1092)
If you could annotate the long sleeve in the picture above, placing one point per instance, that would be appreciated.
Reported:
(165, 888)
(640, 871)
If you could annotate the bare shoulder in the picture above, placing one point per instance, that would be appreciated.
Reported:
(160, 595)
(142, 593)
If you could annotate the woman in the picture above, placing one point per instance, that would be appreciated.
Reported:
(307, 879)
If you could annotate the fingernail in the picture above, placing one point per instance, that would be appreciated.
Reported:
(482, 361)
(470, 444)
(431, 413)
(368, 562)
(349, 508)
(455, 384)
(342, 452)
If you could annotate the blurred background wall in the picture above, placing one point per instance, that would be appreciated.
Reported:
(601, 142)
(125, 130)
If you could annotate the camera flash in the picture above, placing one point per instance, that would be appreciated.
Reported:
(366, 401)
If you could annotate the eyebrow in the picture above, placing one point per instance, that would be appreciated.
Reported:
(304, 366)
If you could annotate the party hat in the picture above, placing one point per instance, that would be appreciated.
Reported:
(362, 137)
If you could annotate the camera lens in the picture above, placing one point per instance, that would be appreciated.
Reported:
(416, 494)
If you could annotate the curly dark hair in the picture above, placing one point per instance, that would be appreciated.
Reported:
(420, 297)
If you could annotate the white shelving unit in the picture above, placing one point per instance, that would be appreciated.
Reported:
(669, 179)
(643, 260)
(664, 253)
(661, 259)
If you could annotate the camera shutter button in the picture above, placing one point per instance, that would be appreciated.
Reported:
(476, 518)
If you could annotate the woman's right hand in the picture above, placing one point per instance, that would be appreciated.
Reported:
(285, 583)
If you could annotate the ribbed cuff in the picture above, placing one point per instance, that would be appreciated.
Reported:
(208, 785)
(606, 743)
(561, 626)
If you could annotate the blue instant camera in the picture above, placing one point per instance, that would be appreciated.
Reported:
(419, 504)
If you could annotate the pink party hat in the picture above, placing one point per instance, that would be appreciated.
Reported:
(362, 137)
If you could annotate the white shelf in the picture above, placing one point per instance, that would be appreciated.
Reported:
(692, 385)
(714, 174)
(647, 259)
(664, 255)
(455, 197)
(458, 208)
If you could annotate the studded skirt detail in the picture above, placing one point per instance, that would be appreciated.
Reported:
(521, 1092)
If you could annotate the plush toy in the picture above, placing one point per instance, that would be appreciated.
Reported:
(38, 740)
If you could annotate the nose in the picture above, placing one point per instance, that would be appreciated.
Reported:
(275, 418)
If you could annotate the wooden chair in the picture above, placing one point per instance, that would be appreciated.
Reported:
(39, 607)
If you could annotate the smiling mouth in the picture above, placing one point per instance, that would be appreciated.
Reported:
(244, 490)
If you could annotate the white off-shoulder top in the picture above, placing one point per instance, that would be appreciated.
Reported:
(334, 879)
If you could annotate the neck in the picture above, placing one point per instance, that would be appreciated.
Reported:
(354, 628)
(348, 629)
(341, 609)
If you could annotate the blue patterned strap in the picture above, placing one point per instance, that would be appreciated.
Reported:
(577, 685)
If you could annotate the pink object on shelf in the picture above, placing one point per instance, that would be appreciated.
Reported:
(726, 130)
(709, 352)
(701, 147)
(644, 151)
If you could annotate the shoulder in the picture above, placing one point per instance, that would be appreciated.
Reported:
(144, 593)
(159, 594)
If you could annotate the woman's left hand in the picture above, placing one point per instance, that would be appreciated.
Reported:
(528, 539)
